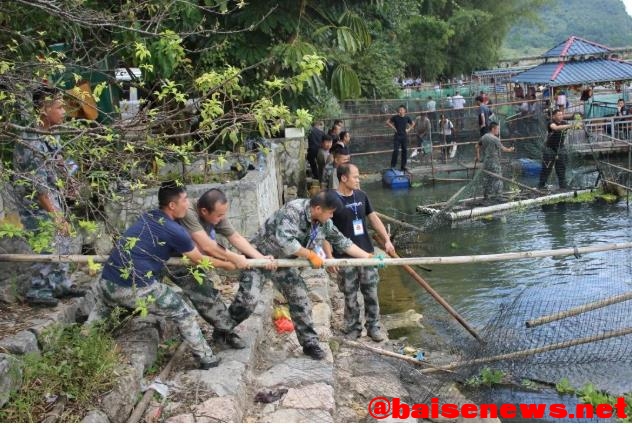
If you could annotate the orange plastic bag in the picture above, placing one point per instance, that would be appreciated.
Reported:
(283, 325)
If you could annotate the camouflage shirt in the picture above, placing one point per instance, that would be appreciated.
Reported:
(37, 163)
(290, 228)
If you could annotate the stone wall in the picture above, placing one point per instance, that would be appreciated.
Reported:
(290, 155)
(252, 199)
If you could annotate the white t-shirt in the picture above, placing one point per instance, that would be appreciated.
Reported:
(458, 102)
(446, 127)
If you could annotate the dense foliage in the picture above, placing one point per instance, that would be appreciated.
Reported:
(605, 22)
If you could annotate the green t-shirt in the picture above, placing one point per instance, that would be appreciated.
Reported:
(193, 223)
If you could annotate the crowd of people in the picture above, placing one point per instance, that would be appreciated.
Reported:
(333, 223)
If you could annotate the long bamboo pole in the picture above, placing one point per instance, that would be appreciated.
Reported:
(388, 353)
(591, 306)
(535, 351)
(493, 174)
(398, 222)
(303, 263)
(436, 296)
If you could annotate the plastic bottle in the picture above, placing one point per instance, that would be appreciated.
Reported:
(261, 161)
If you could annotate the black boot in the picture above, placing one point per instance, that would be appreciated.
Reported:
(228, 338)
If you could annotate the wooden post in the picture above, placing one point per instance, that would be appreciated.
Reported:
(398, 222)
(140, 407)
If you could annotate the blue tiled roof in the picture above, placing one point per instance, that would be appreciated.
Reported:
(579, 72)
(574, 46)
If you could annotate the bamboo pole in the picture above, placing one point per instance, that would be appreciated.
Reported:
(398, 222)
(579, 309)
(388, 353)
(535, 351)
(140, 407)
(303, 263)
(512, 181)
(476, 212)
(436, 296)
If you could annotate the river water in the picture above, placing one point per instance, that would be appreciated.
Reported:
(482, 292)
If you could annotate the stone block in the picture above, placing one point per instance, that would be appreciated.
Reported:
(10, 376)
(298, 416)
(298, 371)
(321, 314)
(225, 380)
(95, 416)
(182, 418)
(314, 396)
(219, 409)
(120, 401)
(20, 343)
(383, 384)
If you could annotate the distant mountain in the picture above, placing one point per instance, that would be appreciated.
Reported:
(603, 21)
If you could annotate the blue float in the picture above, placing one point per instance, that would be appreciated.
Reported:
(395, 179)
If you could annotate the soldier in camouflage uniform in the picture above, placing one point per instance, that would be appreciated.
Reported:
(295, 230)
(351, 220)
(39, 173)
(138, 259)
(491, 146)
(204, 221)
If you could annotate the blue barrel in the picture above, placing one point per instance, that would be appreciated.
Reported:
(530, 166)
(395, 179)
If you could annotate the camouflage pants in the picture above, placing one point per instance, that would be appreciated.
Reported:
(48, 279)
(492, 186)
(204, 297)
(166, 303)
(364, 279)
(289, 282)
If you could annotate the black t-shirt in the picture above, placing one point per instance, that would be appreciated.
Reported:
(356, 206)
(555, 138)
(314, 138)
(401, 123)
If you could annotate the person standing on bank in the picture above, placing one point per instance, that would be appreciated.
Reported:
(351, 220)
(203, 221)
(313, 144)
(401, 123)
(491, 147)
(39, 173)
(138, 259)
(554, 152)
(294, 231)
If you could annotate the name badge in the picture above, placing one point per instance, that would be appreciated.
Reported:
(358, 228)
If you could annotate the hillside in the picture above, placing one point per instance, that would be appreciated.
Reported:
(605, 22)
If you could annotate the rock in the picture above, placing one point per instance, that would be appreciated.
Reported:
(119, 402)
(15, 277)
(140, 342)
(370, 386)
(321, 314)
(10, 376)
(225, 380)
(346, 414)
(298, 416)
(298, 371)
(219, 409)
(95, 416)
(314, 396)
(410, 318)
(182, 418)
(20, 343)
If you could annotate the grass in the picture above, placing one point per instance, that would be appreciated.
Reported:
(76, 363)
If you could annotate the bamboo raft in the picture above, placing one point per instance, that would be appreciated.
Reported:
(478, 207)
